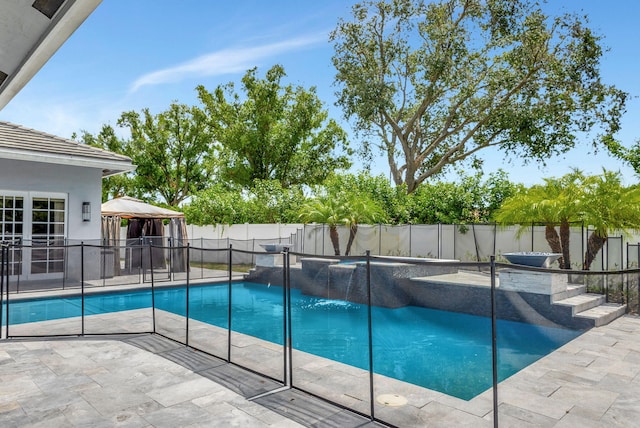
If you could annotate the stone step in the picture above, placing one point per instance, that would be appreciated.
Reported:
(603, 314)
(571, 291)
(582, 302)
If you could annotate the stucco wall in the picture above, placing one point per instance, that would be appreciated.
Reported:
(80, 185)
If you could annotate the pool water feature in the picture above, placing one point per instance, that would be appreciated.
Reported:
(443, 351)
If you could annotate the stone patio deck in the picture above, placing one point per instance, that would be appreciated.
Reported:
(148, 380)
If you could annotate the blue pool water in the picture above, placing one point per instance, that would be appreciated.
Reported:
(443, 351)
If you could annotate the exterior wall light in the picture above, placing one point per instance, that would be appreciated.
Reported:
(86, 211)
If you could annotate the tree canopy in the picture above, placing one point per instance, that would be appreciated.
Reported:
(556, 202)
(600, 202)
(432, 84)
(471, 199)
(266, 202)
(275, 132)
(340, 208)
(172, 152)
(609, 206)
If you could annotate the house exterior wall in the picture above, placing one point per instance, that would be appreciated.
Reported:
(79, 184)
(76, 185)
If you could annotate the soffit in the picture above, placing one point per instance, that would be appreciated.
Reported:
(31, 31)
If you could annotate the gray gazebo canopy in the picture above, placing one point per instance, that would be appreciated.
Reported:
(127, 207)
(145, 220)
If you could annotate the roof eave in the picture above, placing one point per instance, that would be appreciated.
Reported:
(61, 28)
(108, 167)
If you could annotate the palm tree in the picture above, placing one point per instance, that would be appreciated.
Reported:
(364, 211)
(556, 202)
(600, 201)
(342, 210)
(608, 206)
(327, 211)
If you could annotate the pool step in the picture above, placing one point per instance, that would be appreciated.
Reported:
(571, 291)
(592, 307)
(603, 314)
(582, 302)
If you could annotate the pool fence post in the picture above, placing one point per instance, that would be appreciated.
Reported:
(455, 233)
(170, 270)
(289, 318)
(5, 273)
(621, 250)
(153, 290)
(494, 341)
(440, 240)
(627, 256)
(186, 342)
(141, 264)
(103, 267)
(82, 286)
(285, 328)
(2, 286)
(6, 281)
(230, 302)
(495, 236)
(638, 275)
(370, 329)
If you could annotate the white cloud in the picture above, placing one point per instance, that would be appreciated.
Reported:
(226, 61)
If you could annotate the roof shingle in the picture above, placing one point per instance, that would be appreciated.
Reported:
(16, 140)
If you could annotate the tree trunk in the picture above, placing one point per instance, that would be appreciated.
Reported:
(554, 241)
(594, 245)
(333, 234)
(565, 233)
(352, 235)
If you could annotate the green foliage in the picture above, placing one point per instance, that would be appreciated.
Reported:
(608, 206)
(171, 151)
(218, 204)
(556, 200)
(433, 83)
(471, 200)
(275, 133)
(341, 208)
(267, 202)
(394, 201)
(601, 202)
(335, 207)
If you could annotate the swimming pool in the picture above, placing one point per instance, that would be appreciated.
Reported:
(444, 351)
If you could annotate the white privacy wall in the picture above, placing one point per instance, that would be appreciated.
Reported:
(443, 241)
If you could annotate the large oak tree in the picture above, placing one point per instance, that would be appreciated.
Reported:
(273, 132)
(172, 152)
(433, 84)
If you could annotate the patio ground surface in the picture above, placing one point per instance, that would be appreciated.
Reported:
(146, 380)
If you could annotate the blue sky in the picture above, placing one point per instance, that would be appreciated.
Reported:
(129, 55)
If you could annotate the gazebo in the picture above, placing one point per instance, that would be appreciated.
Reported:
(145, 226)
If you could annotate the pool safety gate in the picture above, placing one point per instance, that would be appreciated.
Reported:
(361, 279)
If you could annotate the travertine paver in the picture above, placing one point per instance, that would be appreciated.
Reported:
(592, 381)
(103, 383)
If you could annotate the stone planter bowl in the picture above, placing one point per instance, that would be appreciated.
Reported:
(534, 259)
(274, 248)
